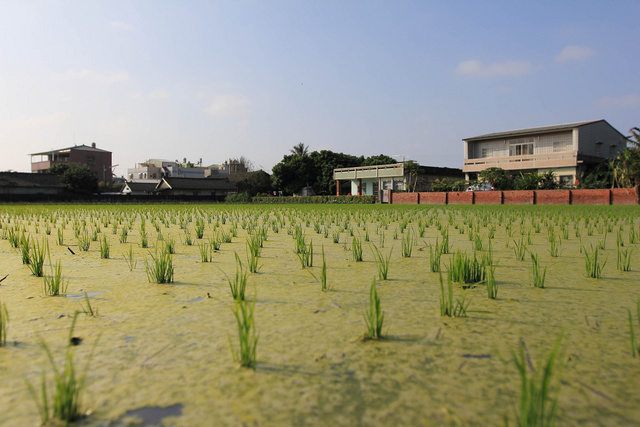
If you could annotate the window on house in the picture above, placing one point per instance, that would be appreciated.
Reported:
(91, 160)
(612, 150)
(487, 152)
(521, 147)
(565, 181)
(560, 146)
(598, 148)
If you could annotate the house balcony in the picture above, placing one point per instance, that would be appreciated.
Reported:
(536, 161)
(378, 171)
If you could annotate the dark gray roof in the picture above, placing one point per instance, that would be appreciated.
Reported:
(542, 129)
(212, 183)
(24, 179)
(146, 187)
(75, 147)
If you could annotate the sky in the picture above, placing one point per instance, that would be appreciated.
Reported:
(214, 80)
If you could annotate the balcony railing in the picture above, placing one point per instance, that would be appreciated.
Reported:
(377, 171)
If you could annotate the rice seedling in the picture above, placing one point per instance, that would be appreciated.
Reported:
(554, 245)
(492, 285)
(539, 274)
(374, 316)
(447, 308)
(124, 234)
(633, 235)
(205, 251)
(160, 269)
(84, 242)
(323, 273)
(25, 249)
(188, 241)
(466, 270)
(199, 228)
(88, 309)
(538, 400)
(356, 247)
(54, 284)
(144, 239)
(602, 243)
(4, 323)
(444, 246)
(170, 245)
(247, 336)
(37, 256)
(306, 255)
(13, 237)
(67, 388)
(407, 243)
(434, 257)
(624, 258)
(104, 247)
(592, 264)
(520, 248)
(382, 262)
(128, 257)
(238, 284)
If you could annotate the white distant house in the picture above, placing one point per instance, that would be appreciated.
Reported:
(156, 169)
(566, 149)
(369, 180)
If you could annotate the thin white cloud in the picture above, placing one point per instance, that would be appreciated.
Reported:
(476, 68)
(156, 94)
(95, 76)
(44, 121)
(575, 53)
(626, 101)
(228, 106)
(120, 26)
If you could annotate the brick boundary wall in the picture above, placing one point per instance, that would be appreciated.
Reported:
(615, 196)
(405, 198)
(625, 196)
(523, 197)
(590, 197)
(460, 198)
(553, 197)
(436, 198)
(487, 198)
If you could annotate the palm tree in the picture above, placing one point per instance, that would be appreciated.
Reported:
(300, 150)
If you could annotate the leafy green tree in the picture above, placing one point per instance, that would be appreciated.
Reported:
(498, 177)
(411, 171)
(300, 150)
(323, 164)
(292, 174)
(380, 159)
(626, 167)
(77, 177)
(256, 182)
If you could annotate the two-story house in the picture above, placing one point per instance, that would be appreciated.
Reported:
(566, 149)
(99, 161)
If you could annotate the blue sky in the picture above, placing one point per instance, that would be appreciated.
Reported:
(221, 79)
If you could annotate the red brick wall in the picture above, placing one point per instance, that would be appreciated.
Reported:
(617, 196)
(460, 198)
(523, 197)
(488, 198)
(590, 197)
(553, 197)
(439, 198)
(405, 198)
(624, 196)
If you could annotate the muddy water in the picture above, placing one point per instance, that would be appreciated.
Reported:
(167, 345)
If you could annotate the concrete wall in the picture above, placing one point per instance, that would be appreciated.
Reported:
(616, 196)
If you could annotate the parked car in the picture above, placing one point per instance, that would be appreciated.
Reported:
(481, 186)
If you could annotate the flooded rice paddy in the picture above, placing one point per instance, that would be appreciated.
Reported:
(164, 351)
